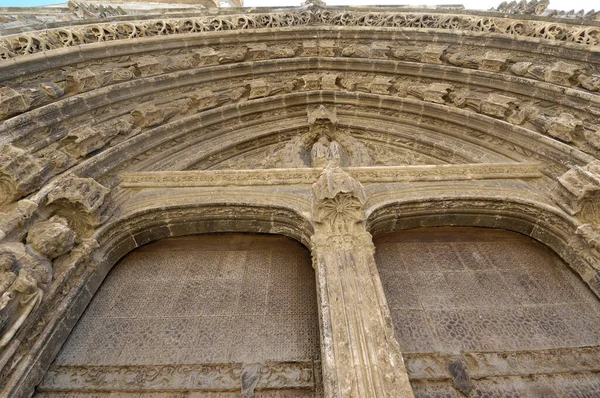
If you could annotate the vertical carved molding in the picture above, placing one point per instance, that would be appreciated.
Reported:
(360, 355)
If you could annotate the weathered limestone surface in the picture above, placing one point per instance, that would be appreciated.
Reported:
(360, 356)
(501, 304)
(198, 312)
(122, 125)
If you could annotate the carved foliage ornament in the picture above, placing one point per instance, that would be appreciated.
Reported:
(21, 44)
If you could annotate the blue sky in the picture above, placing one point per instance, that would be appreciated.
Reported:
(471, 4)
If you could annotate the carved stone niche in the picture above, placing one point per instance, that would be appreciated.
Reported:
(580, 192)
(83, 202)
(20, 173)
(323, 143)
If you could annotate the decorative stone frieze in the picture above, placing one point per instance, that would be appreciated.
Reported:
(214, 178)
(83, 202)
(360, 356)
(19, 45)
(580, 192)
(195, 377)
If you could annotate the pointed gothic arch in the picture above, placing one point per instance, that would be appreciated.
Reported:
(446, 116)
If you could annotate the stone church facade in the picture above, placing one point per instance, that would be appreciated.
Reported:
(205, 200)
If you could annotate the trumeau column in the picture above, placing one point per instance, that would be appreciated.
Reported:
(360, 355)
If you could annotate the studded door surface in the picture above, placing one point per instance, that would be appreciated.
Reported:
(199, 316)
(489, 313)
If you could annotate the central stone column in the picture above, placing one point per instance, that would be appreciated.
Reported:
(360, 355)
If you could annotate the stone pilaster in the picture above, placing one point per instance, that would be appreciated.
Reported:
(360, 355)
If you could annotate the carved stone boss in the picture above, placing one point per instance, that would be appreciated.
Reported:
(360, 356)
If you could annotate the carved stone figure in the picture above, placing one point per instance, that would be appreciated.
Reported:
(26, 279)
(20, 173)
(26, 272)
(324, 151)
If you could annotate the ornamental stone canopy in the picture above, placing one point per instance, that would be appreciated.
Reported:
(124, 123)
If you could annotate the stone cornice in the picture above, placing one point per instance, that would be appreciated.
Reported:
(374, 175)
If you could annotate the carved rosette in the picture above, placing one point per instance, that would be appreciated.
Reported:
(580, 192)
(83, 202)
(360, 355)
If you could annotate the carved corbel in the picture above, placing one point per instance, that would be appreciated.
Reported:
(148, 115)
(51, 238)
(232, 55)
(78, 143)
(408, 53)
(528, 69)
(434, 92)
(561, 73)
(206, 56)
(12, 102)
(357, 51)
(496, 105)
(432, 54)
(257, 51)
(493, 61)
(580, 192)
(83, 202)
(82, 80)
(380, 49)
(148, 66)
(380, 85)
(259, 88)
(360, 356)
(20, 173)
(563, 127)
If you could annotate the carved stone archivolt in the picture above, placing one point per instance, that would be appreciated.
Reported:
(325, 124)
